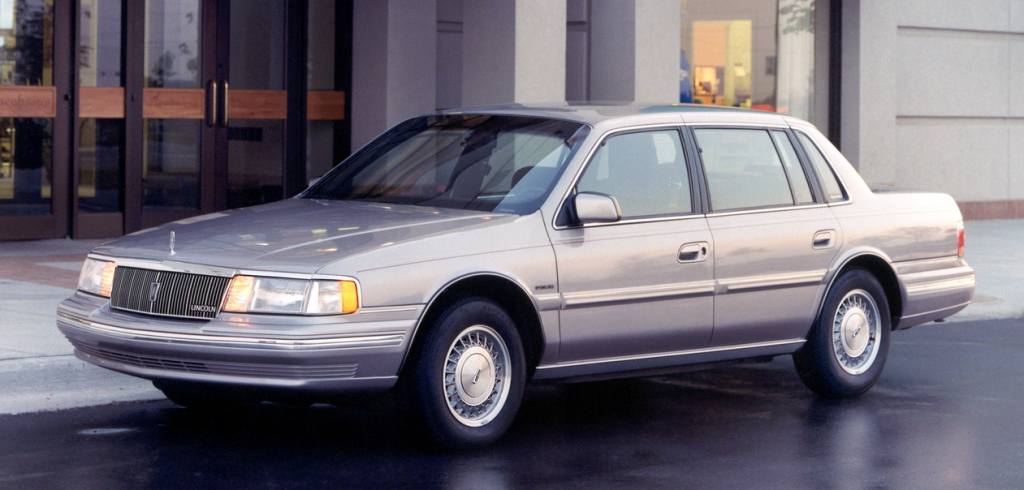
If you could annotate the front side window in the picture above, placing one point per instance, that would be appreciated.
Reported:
(645, 172)
(743, 169)
(504, 164)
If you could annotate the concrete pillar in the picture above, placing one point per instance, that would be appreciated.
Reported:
(513, 51)
(394, 52)
(634, 51)
(868, 97)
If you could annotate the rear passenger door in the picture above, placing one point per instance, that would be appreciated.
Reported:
(642, 285)
(774, 235)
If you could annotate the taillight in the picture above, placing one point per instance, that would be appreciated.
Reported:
(960, 239)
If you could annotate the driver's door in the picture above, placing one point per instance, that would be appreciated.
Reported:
(645, 284)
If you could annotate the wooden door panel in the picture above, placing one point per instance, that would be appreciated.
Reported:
(325, 105)
(28, 101)
(173, 103)
(257, 104)
(101, 102)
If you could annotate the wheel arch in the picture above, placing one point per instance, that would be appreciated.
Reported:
(503, 290)
(879, 266)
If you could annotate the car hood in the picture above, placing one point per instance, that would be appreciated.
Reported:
(295, 235)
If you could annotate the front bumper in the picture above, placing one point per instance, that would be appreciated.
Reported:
(302, 355)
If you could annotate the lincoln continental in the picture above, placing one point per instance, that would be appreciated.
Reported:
(462, 255)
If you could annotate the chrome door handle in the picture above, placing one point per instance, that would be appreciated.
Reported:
(824, 239)
(693, 252)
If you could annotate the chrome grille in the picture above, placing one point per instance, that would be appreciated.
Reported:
(177, 294)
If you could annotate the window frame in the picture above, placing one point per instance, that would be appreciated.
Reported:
(812, 177)
(817, 192)
(566, 216)
(805, 155)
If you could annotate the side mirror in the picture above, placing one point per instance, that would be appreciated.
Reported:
(596, 208)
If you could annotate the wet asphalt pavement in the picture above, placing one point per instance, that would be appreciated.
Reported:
(947, 413)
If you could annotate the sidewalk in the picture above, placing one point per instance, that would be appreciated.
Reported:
(38, 371)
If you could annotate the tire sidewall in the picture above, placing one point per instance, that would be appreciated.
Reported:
(427, 378)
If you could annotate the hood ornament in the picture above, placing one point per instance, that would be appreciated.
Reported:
(172, 243)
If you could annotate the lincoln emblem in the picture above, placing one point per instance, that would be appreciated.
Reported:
(172, 243)
(154, 287)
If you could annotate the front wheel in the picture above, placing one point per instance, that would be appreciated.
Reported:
(847, 348)
(468, 378)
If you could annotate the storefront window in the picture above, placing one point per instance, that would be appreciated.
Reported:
(27, 106)
(757, 54)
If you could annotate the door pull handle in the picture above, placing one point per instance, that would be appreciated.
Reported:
(693, 252)
(211, 103)
(224, 114)
(823, 239)
(688, 256)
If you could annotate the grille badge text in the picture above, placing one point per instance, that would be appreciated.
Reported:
(154, 288)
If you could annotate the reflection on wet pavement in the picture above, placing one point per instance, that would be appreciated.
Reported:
(944, 415)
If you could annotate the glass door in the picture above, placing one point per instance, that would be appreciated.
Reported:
(255, 102)
(33, 96)
(174, 106)
(218, 112)
(99, 122)
(328, 77)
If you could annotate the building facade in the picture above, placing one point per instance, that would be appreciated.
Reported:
(117, 115)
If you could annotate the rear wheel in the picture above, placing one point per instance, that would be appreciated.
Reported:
(467, 380)
(848, 345)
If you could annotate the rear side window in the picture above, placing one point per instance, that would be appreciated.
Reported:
(646, 172)
(743, 169)
(833, 191)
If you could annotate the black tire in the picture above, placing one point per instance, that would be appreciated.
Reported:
(475, 324)
(824, 363)
(201, 400)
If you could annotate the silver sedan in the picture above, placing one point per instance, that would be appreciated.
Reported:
(460, 255)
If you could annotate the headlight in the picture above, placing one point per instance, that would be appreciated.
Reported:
(250, 294)
(97, 277)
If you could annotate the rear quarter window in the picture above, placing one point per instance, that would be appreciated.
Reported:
(833, 191)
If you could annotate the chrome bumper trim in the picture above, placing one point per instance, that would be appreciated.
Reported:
(387, 339)
(941, 285)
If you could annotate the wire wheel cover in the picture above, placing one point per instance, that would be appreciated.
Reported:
(476, 376)
(855, 332)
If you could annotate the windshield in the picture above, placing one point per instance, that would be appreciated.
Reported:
(505, 164)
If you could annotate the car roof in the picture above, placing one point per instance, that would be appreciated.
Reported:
(594, 114)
